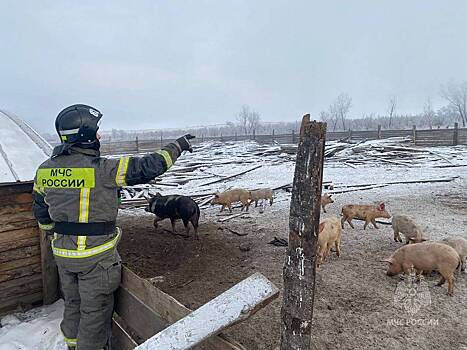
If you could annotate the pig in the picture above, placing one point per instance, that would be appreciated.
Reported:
(325, 200)
(175, 207)
(228, 197)
(262, 193)
(330, 232)
(369, 213)
(406, 225)
(460, 246)
(425, 256)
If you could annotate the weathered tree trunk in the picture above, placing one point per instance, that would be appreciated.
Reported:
(299, 266)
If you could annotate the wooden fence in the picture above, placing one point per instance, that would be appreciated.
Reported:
(429, 137)
(20, 250)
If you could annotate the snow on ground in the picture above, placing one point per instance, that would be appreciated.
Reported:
(37, 329)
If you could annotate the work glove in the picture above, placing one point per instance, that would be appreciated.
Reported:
(184, 143)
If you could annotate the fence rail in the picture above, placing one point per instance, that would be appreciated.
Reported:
(430, 137)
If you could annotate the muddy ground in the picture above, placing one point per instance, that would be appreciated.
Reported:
(354, 302)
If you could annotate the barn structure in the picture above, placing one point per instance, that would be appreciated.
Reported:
(21, 151)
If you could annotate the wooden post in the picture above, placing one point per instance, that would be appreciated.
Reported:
(293, 136)
(379, 132)
(161, 142)
(221, 138)
(254, 134)
(299, 267)
(202, 138)
(272, 135)
(414, 134)
(350, 134)
(137, 144)
(455, 140)
(50, 289)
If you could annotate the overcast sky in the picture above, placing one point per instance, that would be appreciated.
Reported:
(157, 64)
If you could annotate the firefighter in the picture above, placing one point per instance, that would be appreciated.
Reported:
(76, 197)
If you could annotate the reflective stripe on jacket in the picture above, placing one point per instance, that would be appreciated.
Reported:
(82, 187)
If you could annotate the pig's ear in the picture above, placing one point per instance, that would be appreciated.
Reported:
(330, 195)
(387, 260)
(321, 227)
(382, 206)
(216, 195)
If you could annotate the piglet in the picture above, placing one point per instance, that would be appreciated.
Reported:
(460, 246)
(369, 213)
(262, 193)
(228, 197)
(175, 207)
(330, 233)
(425, 257)
(325, 200)
(406, 225)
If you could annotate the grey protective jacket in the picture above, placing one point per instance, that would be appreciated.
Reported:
(76, 196)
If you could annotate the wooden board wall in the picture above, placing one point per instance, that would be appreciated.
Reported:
(20, 253)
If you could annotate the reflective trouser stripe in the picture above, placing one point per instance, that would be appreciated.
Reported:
(70, 341)
(86, 253)
(81, 243)
(121, 171)
(167, 158)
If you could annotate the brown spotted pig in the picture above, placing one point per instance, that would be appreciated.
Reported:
(369, 213)
(426, 256)
(330, 232)
(228, 197)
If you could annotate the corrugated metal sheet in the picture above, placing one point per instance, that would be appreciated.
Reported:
(22, 149)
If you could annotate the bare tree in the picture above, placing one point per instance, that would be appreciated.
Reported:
(339, 109)
(428, 113)
(248, 120)
(391, 109)
(456, 95)
(254, 121)
(242, 118)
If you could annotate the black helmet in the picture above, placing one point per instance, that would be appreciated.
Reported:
(78, 124)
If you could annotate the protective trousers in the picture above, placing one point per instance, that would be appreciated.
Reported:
(88, 288)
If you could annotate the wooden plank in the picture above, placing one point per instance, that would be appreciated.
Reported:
(15, 208)
(4, 227)
(13, 264)
(21, 286)
(19, 216)
(23, 233)
(137, 316)
(19, 253)
(168, 307)
(22, 198)
(15, 188)
(8, 304)
(50, 282)
(20, 272)
(15, 244)
(299, 270)
(231, 307)
(121, 340)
